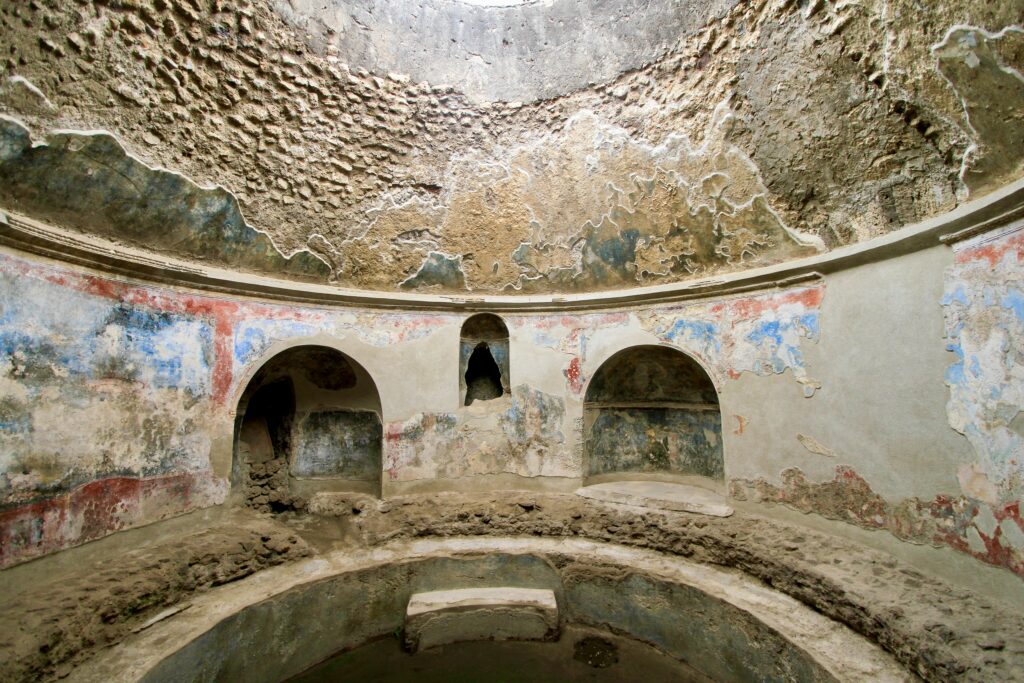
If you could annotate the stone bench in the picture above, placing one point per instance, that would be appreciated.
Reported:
(659, 496)
(500, 613)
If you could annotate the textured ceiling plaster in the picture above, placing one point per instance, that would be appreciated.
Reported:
(494, 50)
(777, 130)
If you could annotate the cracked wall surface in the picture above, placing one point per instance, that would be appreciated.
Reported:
(771, 131)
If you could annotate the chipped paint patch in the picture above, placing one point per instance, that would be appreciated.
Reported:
(437, 271)
(574, 376)
(100, 507)
(814, 446)
(741, 425)
(762, 334)
(990, 533)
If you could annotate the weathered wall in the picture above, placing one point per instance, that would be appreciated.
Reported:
(880, 444)
(771, 132)
(104, 395)
(832, 396)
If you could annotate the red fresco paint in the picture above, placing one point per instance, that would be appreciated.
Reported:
(93, 510)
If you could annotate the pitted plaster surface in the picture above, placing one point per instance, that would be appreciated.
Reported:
(760, 135)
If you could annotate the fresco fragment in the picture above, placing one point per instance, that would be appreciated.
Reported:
(990, 533)
(338, 443)
(525, 439)
(762, 334)
(985, 332)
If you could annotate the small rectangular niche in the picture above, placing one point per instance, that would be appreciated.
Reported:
(483, 359)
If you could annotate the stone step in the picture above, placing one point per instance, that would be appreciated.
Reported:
(494, 613)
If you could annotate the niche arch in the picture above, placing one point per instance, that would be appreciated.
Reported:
(308, 420)
(483, 359)
(652, 412)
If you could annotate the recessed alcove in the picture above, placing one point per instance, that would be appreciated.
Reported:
(483, 359)
(653, 411)
(308, 420)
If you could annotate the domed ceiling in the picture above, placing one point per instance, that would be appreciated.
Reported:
(504, 147)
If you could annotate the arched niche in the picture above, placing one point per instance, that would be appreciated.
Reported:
(483, 359)
(309, 420)
(652, 412)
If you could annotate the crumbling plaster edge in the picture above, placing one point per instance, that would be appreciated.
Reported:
(25, 234)
(830, 644)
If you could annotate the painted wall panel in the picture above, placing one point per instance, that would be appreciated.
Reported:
(656, 440)
(338, 443)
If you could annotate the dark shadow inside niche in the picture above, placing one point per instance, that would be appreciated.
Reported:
(653, 410)
(308, 420)
(265, 436)
(483, 377)
(483, 359)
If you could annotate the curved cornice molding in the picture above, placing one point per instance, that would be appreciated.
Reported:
(990, 212)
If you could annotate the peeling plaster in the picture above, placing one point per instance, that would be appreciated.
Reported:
(587, 207)
(761, 334)
(984, 317)
(977, 63)
(990, 533)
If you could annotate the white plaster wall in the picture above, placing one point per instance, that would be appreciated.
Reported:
(881, 407)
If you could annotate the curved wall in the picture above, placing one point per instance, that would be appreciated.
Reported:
(832, 393)
(288, 621)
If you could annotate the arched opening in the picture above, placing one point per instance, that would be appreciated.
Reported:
(308, 421)
(653, 411)
(483, 359)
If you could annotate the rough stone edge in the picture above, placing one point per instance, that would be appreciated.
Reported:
(131, 660)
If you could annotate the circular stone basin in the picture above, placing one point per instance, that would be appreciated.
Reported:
(283, 621)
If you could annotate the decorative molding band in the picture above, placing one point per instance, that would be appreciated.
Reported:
(991, 212)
